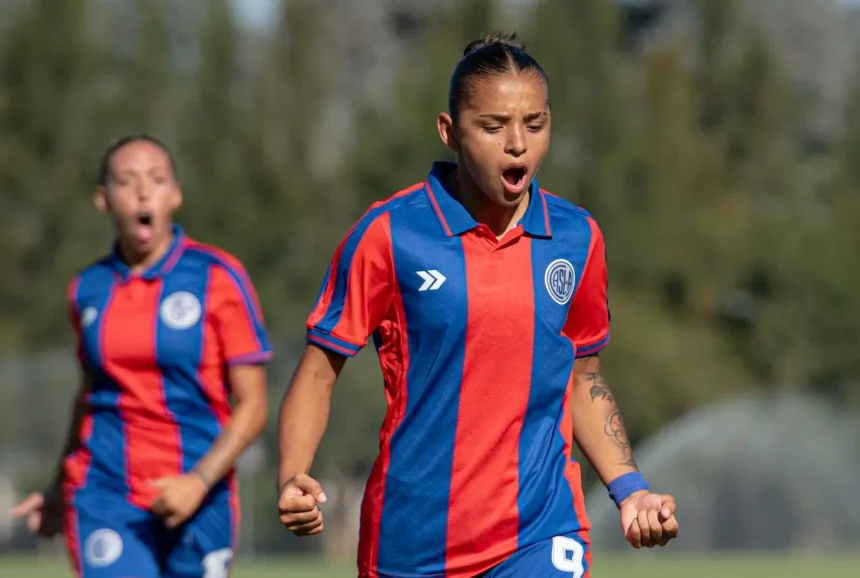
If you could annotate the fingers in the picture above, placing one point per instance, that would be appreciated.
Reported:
(670, 528)
(34, 522)
(28, 505)
(304, 523)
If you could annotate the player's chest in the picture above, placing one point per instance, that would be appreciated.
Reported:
(145, 324)
(471, 282)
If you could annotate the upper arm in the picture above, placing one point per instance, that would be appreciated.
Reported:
(356, 292)
(588, 318)
(248, 382)
(237, 316)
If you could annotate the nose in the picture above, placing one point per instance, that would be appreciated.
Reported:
(516, 143)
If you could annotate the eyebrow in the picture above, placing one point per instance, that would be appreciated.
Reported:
(502, 117)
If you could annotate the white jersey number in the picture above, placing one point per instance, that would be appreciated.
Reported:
(217, 564)
(568, 556)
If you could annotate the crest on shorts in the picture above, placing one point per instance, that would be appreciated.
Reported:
(102, 548)
(560, 279)
(88, 316)
(180, 310)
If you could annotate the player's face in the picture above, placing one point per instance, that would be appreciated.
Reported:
(502, 134)
(142, 195)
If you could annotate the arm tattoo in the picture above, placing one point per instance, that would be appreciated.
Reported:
(598, 386)
(614, 427)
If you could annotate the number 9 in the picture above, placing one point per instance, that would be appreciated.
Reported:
(216, 564)
(568, 555)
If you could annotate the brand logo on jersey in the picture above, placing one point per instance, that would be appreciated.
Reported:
(433, 279)
(560, 279)
(180, 310)
(102, 548)
(88, 316)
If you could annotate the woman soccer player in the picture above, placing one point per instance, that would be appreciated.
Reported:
(168, 330)
(486, 300)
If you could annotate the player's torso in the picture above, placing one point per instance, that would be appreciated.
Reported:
(158, 397)
(475, 453)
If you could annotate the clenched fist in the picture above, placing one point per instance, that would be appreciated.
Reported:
(298, 505)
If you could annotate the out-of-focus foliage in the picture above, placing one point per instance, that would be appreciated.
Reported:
(731, 218)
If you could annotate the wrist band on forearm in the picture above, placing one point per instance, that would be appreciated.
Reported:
(621, 487)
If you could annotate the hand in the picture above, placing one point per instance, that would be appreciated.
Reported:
(648, 519)
(179, 498)
(298, 505)
(43, 511)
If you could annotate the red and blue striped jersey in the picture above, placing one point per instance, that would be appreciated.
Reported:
(476, 339)
(157, 347)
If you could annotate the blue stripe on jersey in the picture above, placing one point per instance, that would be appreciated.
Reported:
(107, 438)
(545, 503)
(179, 352)
(417, 486)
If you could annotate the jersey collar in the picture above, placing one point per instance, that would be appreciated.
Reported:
(456, 220)
(162, 266)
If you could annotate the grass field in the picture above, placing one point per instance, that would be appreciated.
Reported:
(754, 566)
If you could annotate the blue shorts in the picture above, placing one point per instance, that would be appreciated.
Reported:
(110, 538)
(565, 556)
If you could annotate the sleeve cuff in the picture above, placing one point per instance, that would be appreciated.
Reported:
(332, 343)
(253, 358)
(592, 348)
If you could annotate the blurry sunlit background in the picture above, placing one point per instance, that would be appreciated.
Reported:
(717, 142)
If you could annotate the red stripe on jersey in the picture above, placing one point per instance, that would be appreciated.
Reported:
(73, 544)
(325, 300)
(493, 402)
(130, 333)
(359, 306)
(394, 361)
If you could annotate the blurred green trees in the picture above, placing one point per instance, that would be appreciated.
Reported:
(732, 231)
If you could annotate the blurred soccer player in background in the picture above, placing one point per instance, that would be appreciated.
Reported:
(168, 331)
(486, 300)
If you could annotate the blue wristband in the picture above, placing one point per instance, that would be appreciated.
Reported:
(621, 487)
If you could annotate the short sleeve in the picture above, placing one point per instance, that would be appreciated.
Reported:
(237, 316)
(588, 318)
(356, 292)
(75, 318)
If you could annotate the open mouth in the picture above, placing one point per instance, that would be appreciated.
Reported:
(514, 179)
(144, 218)
(514, 175)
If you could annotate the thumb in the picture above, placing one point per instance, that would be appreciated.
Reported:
(307, 485)
(28, 505)
(667, 508)
(159, 483)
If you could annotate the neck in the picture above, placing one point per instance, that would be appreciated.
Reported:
(139, 262)
(498, 218)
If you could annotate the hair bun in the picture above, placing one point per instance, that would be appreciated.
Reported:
(497, 38)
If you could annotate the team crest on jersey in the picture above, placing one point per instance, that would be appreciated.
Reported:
(560, 279)
(102, 548)
(180, 310)
(88, 316)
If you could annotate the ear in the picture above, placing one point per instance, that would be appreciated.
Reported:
(176, 199)
(100, 199)
(447, 131)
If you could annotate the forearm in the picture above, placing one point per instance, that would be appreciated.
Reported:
(246, 423)
(302, 422)
(598, 427)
